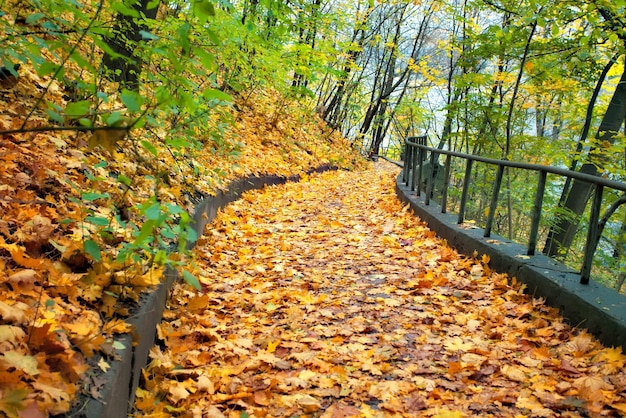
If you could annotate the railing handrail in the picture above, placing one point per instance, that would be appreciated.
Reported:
(415, 149)
(618, 185)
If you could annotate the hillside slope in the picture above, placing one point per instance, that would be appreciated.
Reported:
(85, 224)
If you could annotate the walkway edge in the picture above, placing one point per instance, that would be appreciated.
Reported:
(600, 310)
(119, 383)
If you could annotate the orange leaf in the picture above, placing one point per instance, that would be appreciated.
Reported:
(262, 398)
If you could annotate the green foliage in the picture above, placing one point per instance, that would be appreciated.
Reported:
(195, 59)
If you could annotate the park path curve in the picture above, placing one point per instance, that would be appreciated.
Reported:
(328, 298)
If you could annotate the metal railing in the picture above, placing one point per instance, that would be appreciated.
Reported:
(415, 155)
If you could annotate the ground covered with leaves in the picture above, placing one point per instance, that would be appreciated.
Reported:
(72, 206)
(328, 298)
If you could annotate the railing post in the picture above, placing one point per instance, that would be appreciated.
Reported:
(446, 184)
(466, 181)
(405, 168)
(414, 165)
(420, 160)
(536, 215)
(418, 172)
(494, 201)
(408, 149)
(430, 181)
(592, 235)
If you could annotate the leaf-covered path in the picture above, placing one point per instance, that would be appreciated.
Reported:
(328, 298)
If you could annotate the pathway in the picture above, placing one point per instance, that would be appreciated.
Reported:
(328, 298)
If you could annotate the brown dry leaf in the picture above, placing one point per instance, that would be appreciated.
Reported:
(590, 387)
(205, 384)
(177, 392)
(28, 276)
(262, 398)
(15, 313)
(513, 373)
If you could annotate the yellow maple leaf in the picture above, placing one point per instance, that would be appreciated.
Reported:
(272, 345)
(23, 362)
(457, 344)
(514, 373)
(117, 326)
(104, 366)
(151, 278)
(613, 356)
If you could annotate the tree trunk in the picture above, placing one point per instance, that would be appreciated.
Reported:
(126, 68)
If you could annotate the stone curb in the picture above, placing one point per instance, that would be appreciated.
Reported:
(121, 380)
(600, 310)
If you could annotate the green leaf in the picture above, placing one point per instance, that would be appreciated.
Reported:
(203, 9)
(147, 36)
(174, 209)
(106, 48)
(51, 26)
(144, 233)
(125, 10)
(118, 345)
(213, 37)
(183, 35)
(216, 94)
(90, 196)
(77, 110)
(168, 233)
(555, 29)
(113, 119)
(60, 248)
(124, 180)
(151, 148)
(88, 123)
(206, 59)
(97, 220)
(92, 248)
(191, 280)
(82, 61)
(101, 164)
(153, 211)
(34, 18)
(46, 68)
(132, 100)
(55, 116)
(160, 258)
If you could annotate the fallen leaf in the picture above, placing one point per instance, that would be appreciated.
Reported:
(103, 365)
(25, 363)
